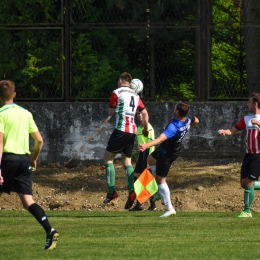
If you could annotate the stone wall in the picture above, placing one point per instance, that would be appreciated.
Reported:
(65, 127)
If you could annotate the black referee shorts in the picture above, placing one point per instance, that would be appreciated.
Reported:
(17, 173)
(141, 164)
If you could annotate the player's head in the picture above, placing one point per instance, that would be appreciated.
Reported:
(254, 99)
(7, 90)
(182, 108)
(139, 115)
(124, 79)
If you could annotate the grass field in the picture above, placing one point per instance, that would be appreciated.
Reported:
(131, 235)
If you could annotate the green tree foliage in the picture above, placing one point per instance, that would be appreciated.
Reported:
(165, 58)
(151, 39)
(98, 55)
(228, 54)
(32, 58)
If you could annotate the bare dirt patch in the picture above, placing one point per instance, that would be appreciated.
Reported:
(195, 186)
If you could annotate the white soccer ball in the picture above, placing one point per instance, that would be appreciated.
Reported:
(137, 85)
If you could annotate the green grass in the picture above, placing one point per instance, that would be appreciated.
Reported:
(131, 235)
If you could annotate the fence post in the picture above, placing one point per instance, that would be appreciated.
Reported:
(202, 71)
(67, 50)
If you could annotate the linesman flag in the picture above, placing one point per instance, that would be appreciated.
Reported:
(145, 186)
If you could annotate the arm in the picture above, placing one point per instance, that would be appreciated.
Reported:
(1, 153)
(160, 139)
(254, 121)
(111, 111)
(231, 131)
(145, 122)
(38, 143)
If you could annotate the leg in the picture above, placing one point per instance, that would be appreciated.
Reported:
(151, 160)
(152, 204)
(129, 170)
(39, 214)
(110, 176)
(249, 194)
(138, 206)
(166, 196)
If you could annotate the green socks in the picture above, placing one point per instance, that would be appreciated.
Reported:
(249, 194)
(110, 174)
(129, 170)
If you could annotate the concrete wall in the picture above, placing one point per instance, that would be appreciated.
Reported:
(65, 127)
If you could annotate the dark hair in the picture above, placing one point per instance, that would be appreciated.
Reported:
(256, 98)
(126, 77)
(138, 112)
(7, 88)
(183, 108)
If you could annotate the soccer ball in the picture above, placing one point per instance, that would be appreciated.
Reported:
(137, 85)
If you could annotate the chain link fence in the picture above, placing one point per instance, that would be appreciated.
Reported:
(75, 50)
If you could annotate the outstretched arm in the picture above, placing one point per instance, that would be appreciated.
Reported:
(231, 131)
(160, 139)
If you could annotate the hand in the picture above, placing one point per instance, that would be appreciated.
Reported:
(1, 179)
(145, 132)
(142, 147)
(33, 165)
(254, 121)
(222, 132)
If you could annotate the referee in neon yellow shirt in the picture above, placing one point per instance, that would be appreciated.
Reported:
(141, 164)
(17, 163)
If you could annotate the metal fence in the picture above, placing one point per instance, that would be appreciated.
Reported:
(75, 50)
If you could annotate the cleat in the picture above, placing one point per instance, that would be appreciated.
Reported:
(110, 197)
(168, 213)
(137, 207)
(151, 208)
(51, 240)
(245, 214)
(130, 200)
(152, 205)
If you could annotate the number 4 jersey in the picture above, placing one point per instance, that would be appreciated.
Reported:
(126, 102)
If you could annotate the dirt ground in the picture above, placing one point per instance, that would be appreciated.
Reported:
(195, 186)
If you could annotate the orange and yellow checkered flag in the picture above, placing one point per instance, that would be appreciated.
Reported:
(145, 186)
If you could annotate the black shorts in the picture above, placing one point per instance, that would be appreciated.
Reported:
(163, 162)
(251, 166)
(121, 142)
(141, 164)
(17, 174)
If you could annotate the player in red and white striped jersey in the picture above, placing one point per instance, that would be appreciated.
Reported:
(250, 169)
(124, 103)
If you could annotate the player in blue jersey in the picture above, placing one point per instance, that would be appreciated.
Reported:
(169, 150)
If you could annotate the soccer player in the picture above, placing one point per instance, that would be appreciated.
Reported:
(17, 163)
(169, 150)
(141, 164)
(250, 169)
(124, 103)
